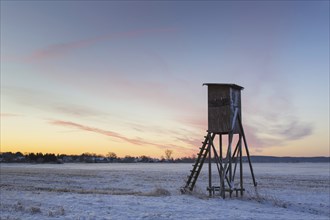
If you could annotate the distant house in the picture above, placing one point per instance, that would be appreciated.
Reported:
(68, 159)
(101, 160)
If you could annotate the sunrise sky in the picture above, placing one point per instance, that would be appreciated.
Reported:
(126, 76)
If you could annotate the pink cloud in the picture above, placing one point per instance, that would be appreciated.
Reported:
(196, 142)
(135, 141)
(64, 48)
(195, 121)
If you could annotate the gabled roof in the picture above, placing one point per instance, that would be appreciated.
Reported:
(224, 85)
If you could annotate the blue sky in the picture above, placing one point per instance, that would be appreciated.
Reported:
(127, 76)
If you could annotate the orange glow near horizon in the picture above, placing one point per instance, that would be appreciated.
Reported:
(53, 139)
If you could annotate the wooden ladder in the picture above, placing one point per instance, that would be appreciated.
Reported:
(194, 173)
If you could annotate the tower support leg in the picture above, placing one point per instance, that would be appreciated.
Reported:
(230, 139)
(247, 150)
(240, 164)
(210, 168)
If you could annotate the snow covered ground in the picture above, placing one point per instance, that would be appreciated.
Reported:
(151, 191)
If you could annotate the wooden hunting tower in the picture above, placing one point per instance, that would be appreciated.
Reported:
(224, 118)
(223, 100)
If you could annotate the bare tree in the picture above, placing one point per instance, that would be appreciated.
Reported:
(168, 154)
(112, 156)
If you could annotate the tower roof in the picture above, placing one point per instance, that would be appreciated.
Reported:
(224, 84)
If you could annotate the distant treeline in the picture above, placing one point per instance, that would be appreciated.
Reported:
(18, 157)
(270, 159)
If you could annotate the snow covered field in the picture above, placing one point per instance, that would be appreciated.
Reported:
(151, 191)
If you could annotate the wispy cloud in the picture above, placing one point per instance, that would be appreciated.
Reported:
(64, 48)
(135, 141)
(296, 130)
(278, 133)
(48, 102)
(196, 142)
(9, 115)
(195, 121)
